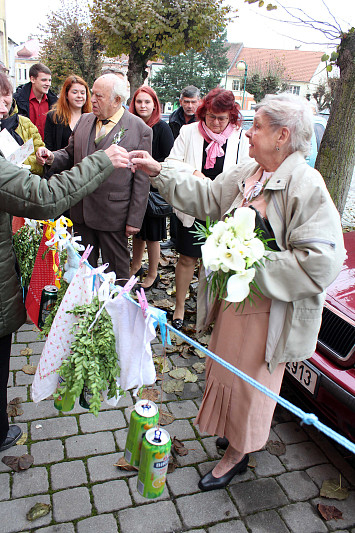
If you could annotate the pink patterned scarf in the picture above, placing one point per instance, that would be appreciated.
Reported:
(216, 140)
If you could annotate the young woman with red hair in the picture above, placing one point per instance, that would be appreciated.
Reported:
(74, 99)
(145, 104)
(209, 146)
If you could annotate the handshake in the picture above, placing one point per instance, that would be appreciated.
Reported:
(119, 157)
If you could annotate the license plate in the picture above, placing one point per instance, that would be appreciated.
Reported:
(302, 372)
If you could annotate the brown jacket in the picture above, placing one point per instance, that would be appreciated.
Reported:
(122, 199)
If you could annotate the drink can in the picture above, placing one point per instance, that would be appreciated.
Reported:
(48, 298)
(144, 416)
(154, 462)
(64, 402)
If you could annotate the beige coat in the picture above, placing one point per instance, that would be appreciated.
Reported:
(307, 230)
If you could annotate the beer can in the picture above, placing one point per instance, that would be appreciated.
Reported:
(64, 402)
(48, 298)
(154, 462)
(144, 416)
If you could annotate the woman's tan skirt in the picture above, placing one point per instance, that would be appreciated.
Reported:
(231, 407)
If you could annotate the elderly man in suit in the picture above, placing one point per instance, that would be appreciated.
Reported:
(107, 217)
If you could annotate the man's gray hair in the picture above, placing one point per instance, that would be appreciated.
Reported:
(293, 112)
(118, 86)
(190, 92)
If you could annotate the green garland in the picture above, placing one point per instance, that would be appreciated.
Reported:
(93, 359)
(26, 242)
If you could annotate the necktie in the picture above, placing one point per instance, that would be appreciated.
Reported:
(102, 132)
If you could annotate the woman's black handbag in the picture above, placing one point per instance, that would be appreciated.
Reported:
(157, 207)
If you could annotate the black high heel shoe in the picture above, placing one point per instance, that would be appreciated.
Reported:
(139, 273)
(209, 482)
(153, 285)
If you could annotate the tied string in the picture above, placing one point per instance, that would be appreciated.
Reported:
(256, 188)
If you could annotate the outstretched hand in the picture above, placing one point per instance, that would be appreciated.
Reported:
(44, 156)
(118, 156)
(141, 160)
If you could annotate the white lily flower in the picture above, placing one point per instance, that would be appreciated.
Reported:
(244, 223)
(255, 251)
(210, 254)
(232, 258)
(238, 286)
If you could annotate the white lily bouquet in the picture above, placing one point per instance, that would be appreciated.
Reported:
(233, 250)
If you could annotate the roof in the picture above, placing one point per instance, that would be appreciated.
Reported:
(28, 50)
(296, 65)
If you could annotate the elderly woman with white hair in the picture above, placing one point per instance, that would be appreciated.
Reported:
(283, 324)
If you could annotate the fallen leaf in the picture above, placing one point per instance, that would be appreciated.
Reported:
(163, 363)
(150, 394)
(29, 369)
(14, 410)
(163, 261)
(26, 351)
(16, 401)
(200, 354)
(18, 463)
(329, 512)
(172, 465)
(173, 385)
(199, 367)
(163, 304)
(252, 462)
(179, 447)
(204, 339)
(190, 377)
(185, 352)
(22, 439)
(275, 447)
(37, 511)
(178, 373)
(165, 418)
(331, 488)
(122, 463)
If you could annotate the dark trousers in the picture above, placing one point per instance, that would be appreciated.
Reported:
(113, 246)
(5, 349)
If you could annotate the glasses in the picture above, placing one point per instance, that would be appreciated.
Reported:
(219, 119)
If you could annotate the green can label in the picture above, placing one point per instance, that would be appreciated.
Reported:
(154, 462)
(144, 417)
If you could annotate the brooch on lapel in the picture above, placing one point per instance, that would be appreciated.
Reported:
(118, 136)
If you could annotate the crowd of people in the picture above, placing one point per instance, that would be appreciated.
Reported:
(102, 161)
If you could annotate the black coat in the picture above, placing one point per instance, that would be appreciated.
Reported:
(177, 119)
(56, 135)
(163, 141)
(22, 97)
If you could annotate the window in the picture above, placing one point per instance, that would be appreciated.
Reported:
(25, 74)
(19, 74)
(294, 89)
(236, 85)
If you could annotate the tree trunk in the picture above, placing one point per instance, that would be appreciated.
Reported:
(136, 73)
(336, 156)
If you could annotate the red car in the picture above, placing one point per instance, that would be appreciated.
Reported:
(327, 379)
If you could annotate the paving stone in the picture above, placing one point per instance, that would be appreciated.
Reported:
(234, 526)
(105, 523)
(178, 361)
(257, 495)
(281, 415)
(193, 391)
(205, 508)
(183, 481)
(34, 359)
(323, 472)
(52, 428)
(11, 380)
(111, 496)
(71, 504)
(89, 423)
(58, 528)
(302, 455)
(139, 499)
(15, 450)
(209, 444)
(301, 517)
(68, 474)
(17, 392)
(17, 348)
(91, 444)
(181, 429)
(298, 486)
(28, 336)
(13, 514)
(22, 379)
(290, 433)
(47, 452)
(196, 454)
(32, 481)
(267, 464)
(157, 517)
(16, 363)
(347, 507)
(37, 411)
(37, 347)
(183, 409)
(4, 487)
(121, 437)
(102, 468)
(266, 521)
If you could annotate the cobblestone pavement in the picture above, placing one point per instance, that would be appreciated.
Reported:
(74, 456)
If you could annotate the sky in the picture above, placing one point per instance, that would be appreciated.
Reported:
(254, 27)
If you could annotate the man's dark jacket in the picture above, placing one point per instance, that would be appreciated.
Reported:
(177, 119)
(22, 97)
